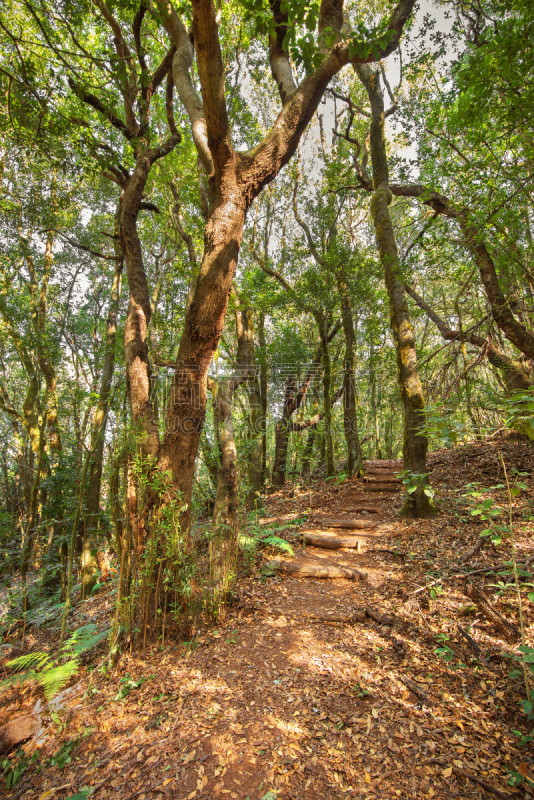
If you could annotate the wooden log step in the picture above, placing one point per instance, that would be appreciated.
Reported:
(321, 539)
(312, 570)
(359, 615)
(387, 478)
(384, 464)
(330, 541)
(343, 522)
(371, 509)
(356, 542)
(379, 487)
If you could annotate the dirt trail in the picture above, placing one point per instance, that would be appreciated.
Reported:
(279, 703)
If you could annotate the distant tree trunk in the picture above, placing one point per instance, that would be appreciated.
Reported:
(307, 456)
(292, 401)
(222, 543)
(92, 497)
(415, 441)
(327, 381)
(374, 409)
(264, 387)
(350, 418)
(281, 444)
(255, 440)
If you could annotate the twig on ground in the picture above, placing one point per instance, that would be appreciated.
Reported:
(471, 776)
(380, 618)
(474, 645)
(477, 547)
(413, 687)
(459, 575)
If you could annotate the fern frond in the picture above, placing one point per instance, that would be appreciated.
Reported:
(84, 639)
(55, 678)
(27, 661)
(276, 541)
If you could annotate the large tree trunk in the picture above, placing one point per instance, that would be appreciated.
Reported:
(415, 441)
(202, 330)
(92, 497)
(138, 369)
(33, 516)
(46, 363)
(235, 179)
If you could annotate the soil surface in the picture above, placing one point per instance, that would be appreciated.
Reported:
(317, 688)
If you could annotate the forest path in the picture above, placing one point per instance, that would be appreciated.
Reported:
(280, 700)
(346, 512)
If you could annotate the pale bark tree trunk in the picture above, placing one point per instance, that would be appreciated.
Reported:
(415, 440)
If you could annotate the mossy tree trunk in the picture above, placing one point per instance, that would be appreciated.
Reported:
(415, 441)
(223, 542)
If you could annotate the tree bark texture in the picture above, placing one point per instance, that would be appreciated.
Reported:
(222, 543)
(415, 441)
(235, 179)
